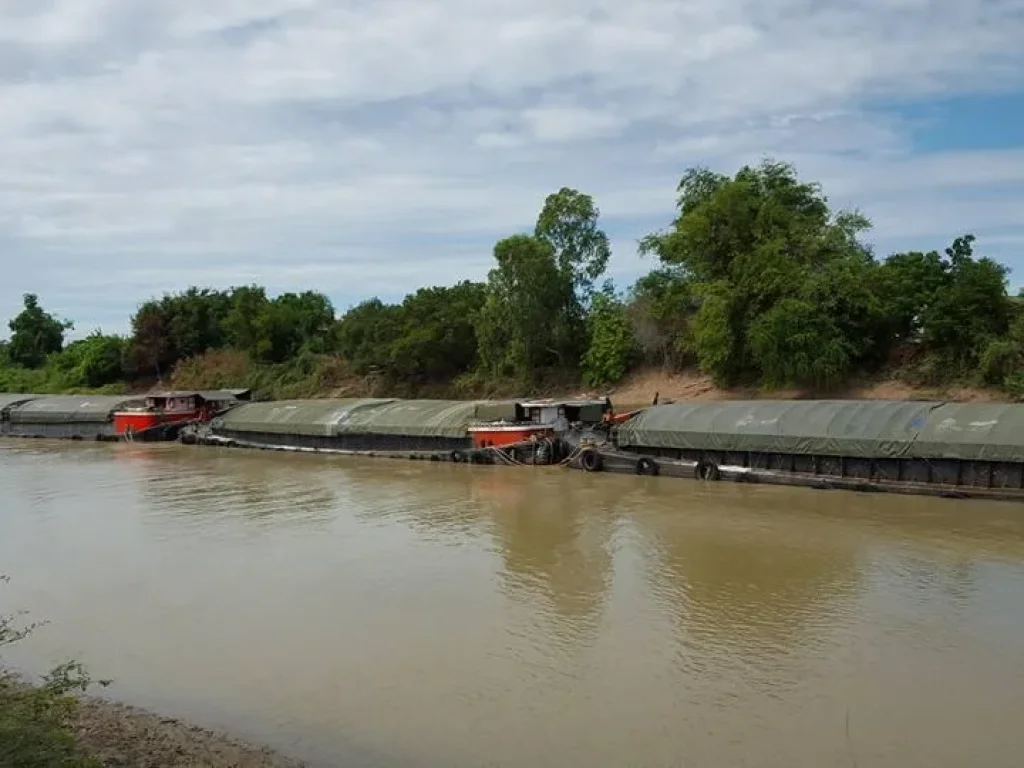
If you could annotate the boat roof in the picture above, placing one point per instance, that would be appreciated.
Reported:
(549, 402)
(207, 394)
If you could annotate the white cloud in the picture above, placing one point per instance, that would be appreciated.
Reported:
(370, 147)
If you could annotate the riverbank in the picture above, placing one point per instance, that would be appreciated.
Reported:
(330, 377)
(641, 387)
(119, 735)
(101, 733)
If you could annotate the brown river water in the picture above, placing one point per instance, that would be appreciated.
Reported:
(361, 612)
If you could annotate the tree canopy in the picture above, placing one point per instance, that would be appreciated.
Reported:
(759, 281)
(35, 334)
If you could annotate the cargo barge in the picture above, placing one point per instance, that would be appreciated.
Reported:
(154, 417)
(936, 448)
(477, 432)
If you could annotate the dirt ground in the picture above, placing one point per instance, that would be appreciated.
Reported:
(641, 388)
(124, 737)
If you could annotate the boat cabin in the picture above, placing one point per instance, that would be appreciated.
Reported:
(540, 419)
(563, 413)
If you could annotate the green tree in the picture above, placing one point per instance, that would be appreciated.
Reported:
(795, 342)
(611, 349)
(970, 309)
(661, 309)
(293, 322)
(35, 334)
(759, 251)
(151, 349)
(568, 222)
(528, 322)
(906, 285)
(438, 339)
(242, 322)
(365, 334)
(176, 327)
(95, 361)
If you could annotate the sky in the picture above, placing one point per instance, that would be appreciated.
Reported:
(368, 148)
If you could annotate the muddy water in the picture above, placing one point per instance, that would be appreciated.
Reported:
(376, 613)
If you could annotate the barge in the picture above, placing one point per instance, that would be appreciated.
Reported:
(937, 448)
(69, 417)
(480, 432)
(152, 417)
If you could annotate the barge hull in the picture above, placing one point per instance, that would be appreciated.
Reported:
(456, 450)
(707, 469)
(67, 431)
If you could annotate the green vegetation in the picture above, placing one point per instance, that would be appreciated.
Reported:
(759, 283)
(34, 720)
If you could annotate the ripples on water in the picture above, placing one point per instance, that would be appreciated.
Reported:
(367, 612)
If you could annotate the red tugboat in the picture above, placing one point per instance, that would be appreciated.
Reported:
(162, 414)
(540, 423)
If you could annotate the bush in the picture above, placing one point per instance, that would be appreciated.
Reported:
(34, 720)
(1000, 360)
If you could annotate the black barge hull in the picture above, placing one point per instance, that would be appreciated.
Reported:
(415, 448)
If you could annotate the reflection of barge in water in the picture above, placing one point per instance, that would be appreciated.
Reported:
(948, 449)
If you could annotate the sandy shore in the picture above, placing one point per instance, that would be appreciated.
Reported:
(119, 735)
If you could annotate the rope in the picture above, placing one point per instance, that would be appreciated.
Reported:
(504, 456)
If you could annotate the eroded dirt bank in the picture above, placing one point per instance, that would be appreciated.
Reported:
(640, 388)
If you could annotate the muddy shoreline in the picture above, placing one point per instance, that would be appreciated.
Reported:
(121, 735)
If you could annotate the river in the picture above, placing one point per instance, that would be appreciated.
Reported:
(361, 612)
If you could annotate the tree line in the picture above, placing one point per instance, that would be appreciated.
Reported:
(757, 282)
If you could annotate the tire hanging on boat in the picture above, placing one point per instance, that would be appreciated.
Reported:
(541, 454)
(591, 460)
(646, 466)
(707, 470)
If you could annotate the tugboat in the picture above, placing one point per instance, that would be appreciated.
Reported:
(544, 430)
(162, 414)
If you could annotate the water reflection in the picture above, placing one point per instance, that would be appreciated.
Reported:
(371, 612)
(552, 549)
(756, 587)
(189, 483)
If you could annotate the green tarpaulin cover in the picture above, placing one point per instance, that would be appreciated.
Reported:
(9, 399)
(294, 417)
(854, 428)
(368, 416)
(67, 409)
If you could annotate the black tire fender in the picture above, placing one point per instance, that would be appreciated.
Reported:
(646, 466)
(591, 460)
(457, 457)
(513, 454)
(707, 470)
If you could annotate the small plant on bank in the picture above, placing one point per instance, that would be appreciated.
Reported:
(34, 719)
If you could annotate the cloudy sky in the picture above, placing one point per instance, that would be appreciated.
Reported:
(367, 148)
